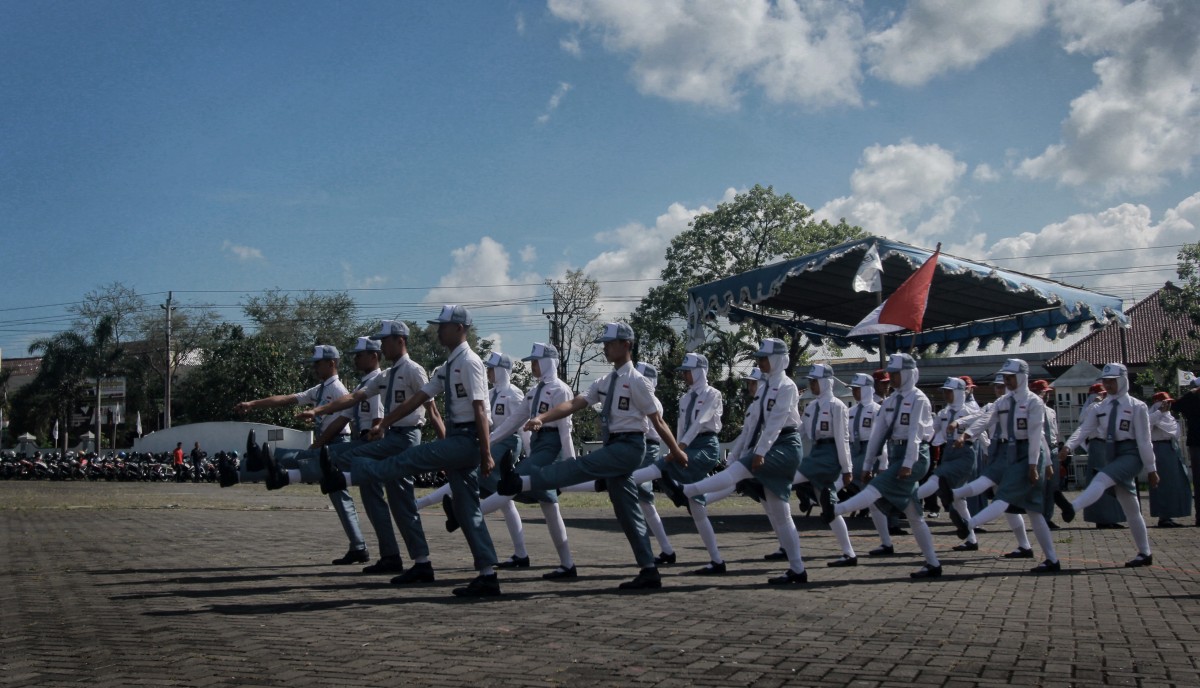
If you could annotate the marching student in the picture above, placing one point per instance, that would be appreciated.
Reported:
(1053, 494)
(1172, 498)
(825, 433)
(1125, 424)
(1105, 512)
(957, 464)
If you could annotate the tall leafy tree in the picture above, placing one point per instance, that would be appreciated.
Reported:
(1182, 300)
(118, 302)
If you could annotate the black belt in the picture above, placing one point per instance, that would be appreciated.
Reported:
(463, 426)
(406, 428)
(618, 435)
(825, 440)
(1162, 441)
(789, 430)
(654, 442)
(706, 434)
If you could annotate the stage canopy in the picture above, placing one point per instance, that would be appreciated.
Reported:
(968, 301)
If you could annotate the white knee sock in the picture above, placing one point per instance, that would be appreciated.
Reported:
(589, 486)
(434, 497)
(705, 529)
(960, 505)
(779, 513)
(842, 533)
(920, 529)
(349, 482)
(645, 475)
(1137, 524)
(987, 514)
(714, 497)
(976, 487)
(1041, 530)
(799, 478)
(516, 530)
(928, 488)
(526, 483)
(858, 502)
(1095, 490)
(558, 533)
(493, 502)
(881, 525)
(654, 522)
(729, 477)
(1017, 525)
(294, 476)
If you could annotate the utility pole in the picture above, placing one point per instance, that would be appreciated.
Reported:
(556, 331)
(167, 392)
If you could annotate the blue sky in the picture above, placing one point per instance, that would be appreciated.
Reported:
(419, 150)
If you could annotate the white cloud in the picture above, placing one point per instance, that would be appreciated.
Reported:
(903, 191)
(529, 253)
(1072, 246)
(481, 278)
(933, 37)
(710, 51)
(1141, 122)
(571, 46)
(520, 24)
(555, 101)
(352, 281)
(984, 173)
(241, 252)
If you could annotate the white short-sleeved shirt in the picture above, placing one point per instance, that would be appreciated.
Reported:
(706, 414)
(370, 409)
(831, 421)
(552, 394)
(505, 402)
(1133, 423)
(323, 393)
(468, 384)
(633, 402)
(1028, 421)
(406, 377)
(782, 410)
(909, 416)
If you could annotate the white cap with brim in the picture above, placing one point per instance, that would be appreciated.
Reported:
(694, 361)
(1014, 366)
(615, 331)
(498, 360)
(954, 383)
(648, 371)
(862, 380)
(755, 374)
(771, 347)
(325, 352)
(390, 328)
(1113, 370)
(898, 362)
(541, 350)
(364, 344)
(458, 315)
(820, 371)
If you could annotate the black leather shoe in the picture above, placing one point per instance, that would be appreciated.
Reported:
(1019, 553)
(778, 555)
(927, 571)
(790, 578)
(896, 530)
(451, 519)
(713, 569)
(961, 529)
(751, 488)
(1140, 560)
(514, 562)
(509, 484)
(332, 479)
(827, 514)
(1053, 526)
(602, 485)
(561, 574)
(276, 478)
(354, 556)
(389, 564)
(253, 462)
(674, 491)
(882, 551)
(664, 559)
(417, 573)
(843, 561)
(945, 495)
(1068, 512)
(647, 579)
(966, 547)
(1047, 567)
(806, 496)
(1168, 523)
(481, 586)
(1011, 509)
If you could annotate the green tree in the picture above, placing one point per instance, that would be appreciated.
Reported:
(120, 303)
(1183, 301)
(298, 322)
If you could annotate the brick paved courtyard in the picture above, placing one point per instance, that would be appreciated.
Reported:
(131, 584)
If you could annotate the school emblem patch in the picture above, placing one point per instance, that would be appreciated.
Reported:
(623, 403)
(543, 407)
(1022, 423)
(459, 390)
(499, 409)
(398, 395)
(1124, 424)
(904, 419)
(824, 426)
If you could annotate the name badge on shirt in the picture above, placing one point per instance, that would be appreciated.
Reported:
(904, 419)
(770, 404)
(867, 422)
(399, 396)
(623, 403)
(1022, 423)
(1124, 425)
(499, 409)
(824, 426)
(459, 390)
(543, 407)
(364, 406)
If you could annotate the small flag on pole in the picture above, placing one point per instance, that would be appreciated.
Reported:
(870, 272)
(905, 308)
(54, 432)
(139, 423)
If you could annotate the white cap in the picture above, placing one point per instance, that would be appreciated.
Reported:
(754, 374)
(453, 314)
(1113, 370)
(898, 362)
(771, 347)
(862, 380)
(693, 361)
(388, 328)
(365, 344)
(820, 371)
(496, 359)
(954, 383)
(325, 352)
(615, 331)
(1014, 366)
(541, 350)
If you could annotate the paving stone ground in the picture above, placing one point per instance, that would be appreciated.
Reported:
(239, 591)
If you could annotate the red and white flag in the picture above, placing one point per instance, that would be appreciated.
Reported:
(905, 308)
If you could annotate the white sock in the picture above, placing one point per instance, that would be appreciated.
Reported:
(645, 475)
(654, 522)
(1017, 525)
(920, 529)
(858, 502)
(589, 486)
(293, 475)
(349, 482)
(960, 505)
(928, 488)
(487, 571)
(779, 513)
(526, 483)
(1095, 490)
(1137, 524)
(558, 534)
(881, 526)
(976, 487)
(987, 514)
(729, 477)
(705, 529)
(842, 533)
(492, 502)
(799, 478)
(714, 497)
(516, 530)
(1041, 530)
(434, 497)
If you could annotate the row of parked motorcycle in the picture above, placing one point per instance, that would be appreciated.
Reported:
(111, 466)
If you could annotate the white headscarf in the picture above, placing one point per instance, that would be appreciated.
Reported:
(549, 368)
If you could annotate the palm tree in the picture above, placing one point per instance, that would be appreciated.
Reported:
(68, 361)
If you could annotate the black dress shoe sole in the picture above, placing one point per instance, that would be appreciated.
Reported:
(514, 563)
(1018, 554)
